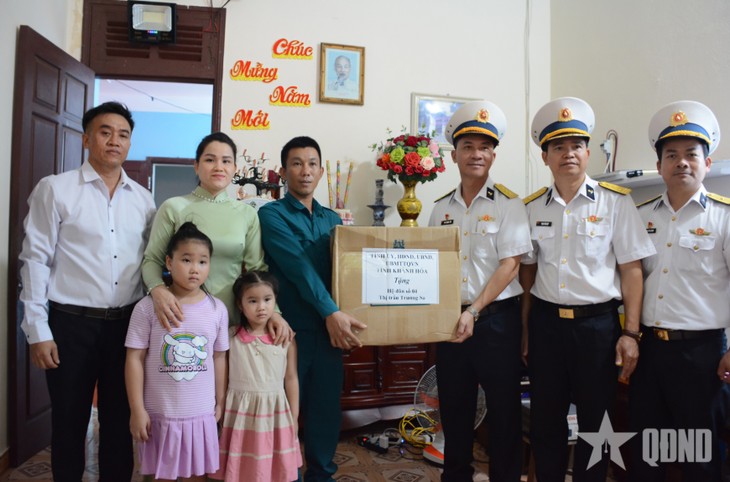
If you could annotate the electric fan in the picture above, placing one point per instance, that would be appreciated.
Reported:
(426, 400)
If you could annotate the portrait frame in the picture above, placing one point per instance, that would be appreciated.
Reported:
(432, 113)
(349, 90)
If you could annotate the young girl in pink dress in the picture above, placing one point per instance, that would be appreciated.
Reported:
(176, 380)
(259, 438)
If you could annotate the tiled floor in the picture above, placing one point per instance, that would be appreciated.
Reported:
(356, 464)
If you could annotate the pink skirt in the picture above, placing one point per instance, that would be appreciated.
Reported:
(180, 447)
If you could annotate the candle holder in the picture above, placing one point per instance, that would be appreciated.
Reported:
(378, 207)
(262, 179)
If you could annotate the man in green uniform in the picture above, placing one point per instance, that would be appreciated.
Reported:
(295, 232)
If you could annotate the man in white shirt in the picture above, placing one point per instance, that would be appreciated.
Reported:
(486, 349)
(85, 235)
(686, 293)
(588, 244)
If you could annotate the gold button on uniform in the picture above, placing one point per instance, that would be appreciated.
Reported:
(665, 271)
(695, 247)
(465, 257)
(463, 280)
(567, 211)
(466, 233)
(564, 260)
(669, 245)
(562, 285)
(661, 297)
(674, 218)
(565, 236)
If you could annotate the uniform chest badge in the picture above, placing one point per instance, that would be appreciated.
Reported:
(699, 232)
(650, 228)
(446, 221)
(486, 218)
(593, 219)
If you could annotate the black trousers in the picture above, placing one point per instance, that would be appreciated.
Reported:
(569, 361)
(490, 358)
(675, 386)
(91, 350)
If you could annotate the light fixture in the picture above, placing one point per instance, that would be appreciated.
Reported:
(151, 22)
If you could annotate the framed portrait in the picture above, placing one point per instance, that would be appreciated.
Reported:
(341, 74)
(431, 113)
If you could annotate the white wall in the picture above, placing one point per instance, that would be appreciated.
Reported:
(628, 58)
(475, 50)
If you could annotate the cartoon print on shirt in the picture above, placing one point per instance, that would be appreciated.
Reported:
(183, 355)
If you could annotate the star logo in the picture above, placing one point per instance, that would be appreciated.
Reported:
(603, 439)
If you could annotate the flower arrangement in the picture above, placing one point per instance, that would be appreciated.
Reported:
(416, 158)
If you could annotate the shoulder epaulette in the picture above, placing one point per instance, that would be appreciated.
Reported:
(445, 195)
(718, 198)
(613, 187)
(648, 201)
(503, 189)
(535, 195)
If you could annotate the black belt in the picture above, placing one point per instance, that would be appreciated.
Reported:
(570, 312)
(496, 306)
(103, 313)
(674, 335)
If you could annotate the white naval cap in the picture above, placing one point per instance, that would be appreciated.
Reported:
(477, 117)
(685, 118)
(563, 117)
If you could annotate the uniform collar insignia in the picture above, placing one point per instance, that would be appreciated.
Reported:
(703, 200)
(490, 194)
(590, 193)
(549, 197)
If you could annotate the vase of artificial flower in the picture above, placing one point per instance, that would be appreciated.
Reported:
(411, 159)
(409, 206)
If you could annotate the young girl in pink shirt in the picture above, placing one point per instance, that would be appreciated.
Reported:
(176, 380)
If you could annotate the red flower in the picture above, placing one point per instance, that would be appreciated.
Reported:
(409, 170)
(396, 168)
(412, 141)
(426, 173)
(398, 139)
(412, 159)
(419, 169)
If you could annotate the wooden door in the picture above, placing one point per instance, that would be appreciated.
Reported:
(52, 92)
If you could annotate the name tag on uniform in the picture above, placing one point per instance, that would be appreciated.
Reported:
(544, 223)
(447, 221)
(651, 230)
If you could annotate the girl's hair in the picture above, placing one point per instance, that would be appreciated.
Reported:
(248, 280)
(188, 232)
(215, 137)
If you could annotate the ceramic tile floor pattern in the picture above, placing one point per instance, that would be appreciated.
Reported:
(356, 464)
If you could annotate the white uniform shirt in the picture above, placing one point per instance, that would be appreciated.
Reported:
(687, 283)
(81, 247)
(578, 245)
(494, 227)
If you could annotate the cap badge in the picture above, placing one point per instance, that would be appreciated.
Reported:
(679, 118)
(483, 116)
(565, 115)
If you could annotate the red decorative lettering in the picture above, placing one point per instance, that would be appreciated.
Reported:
(246, 119)
(289, 96)
(294, 49)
